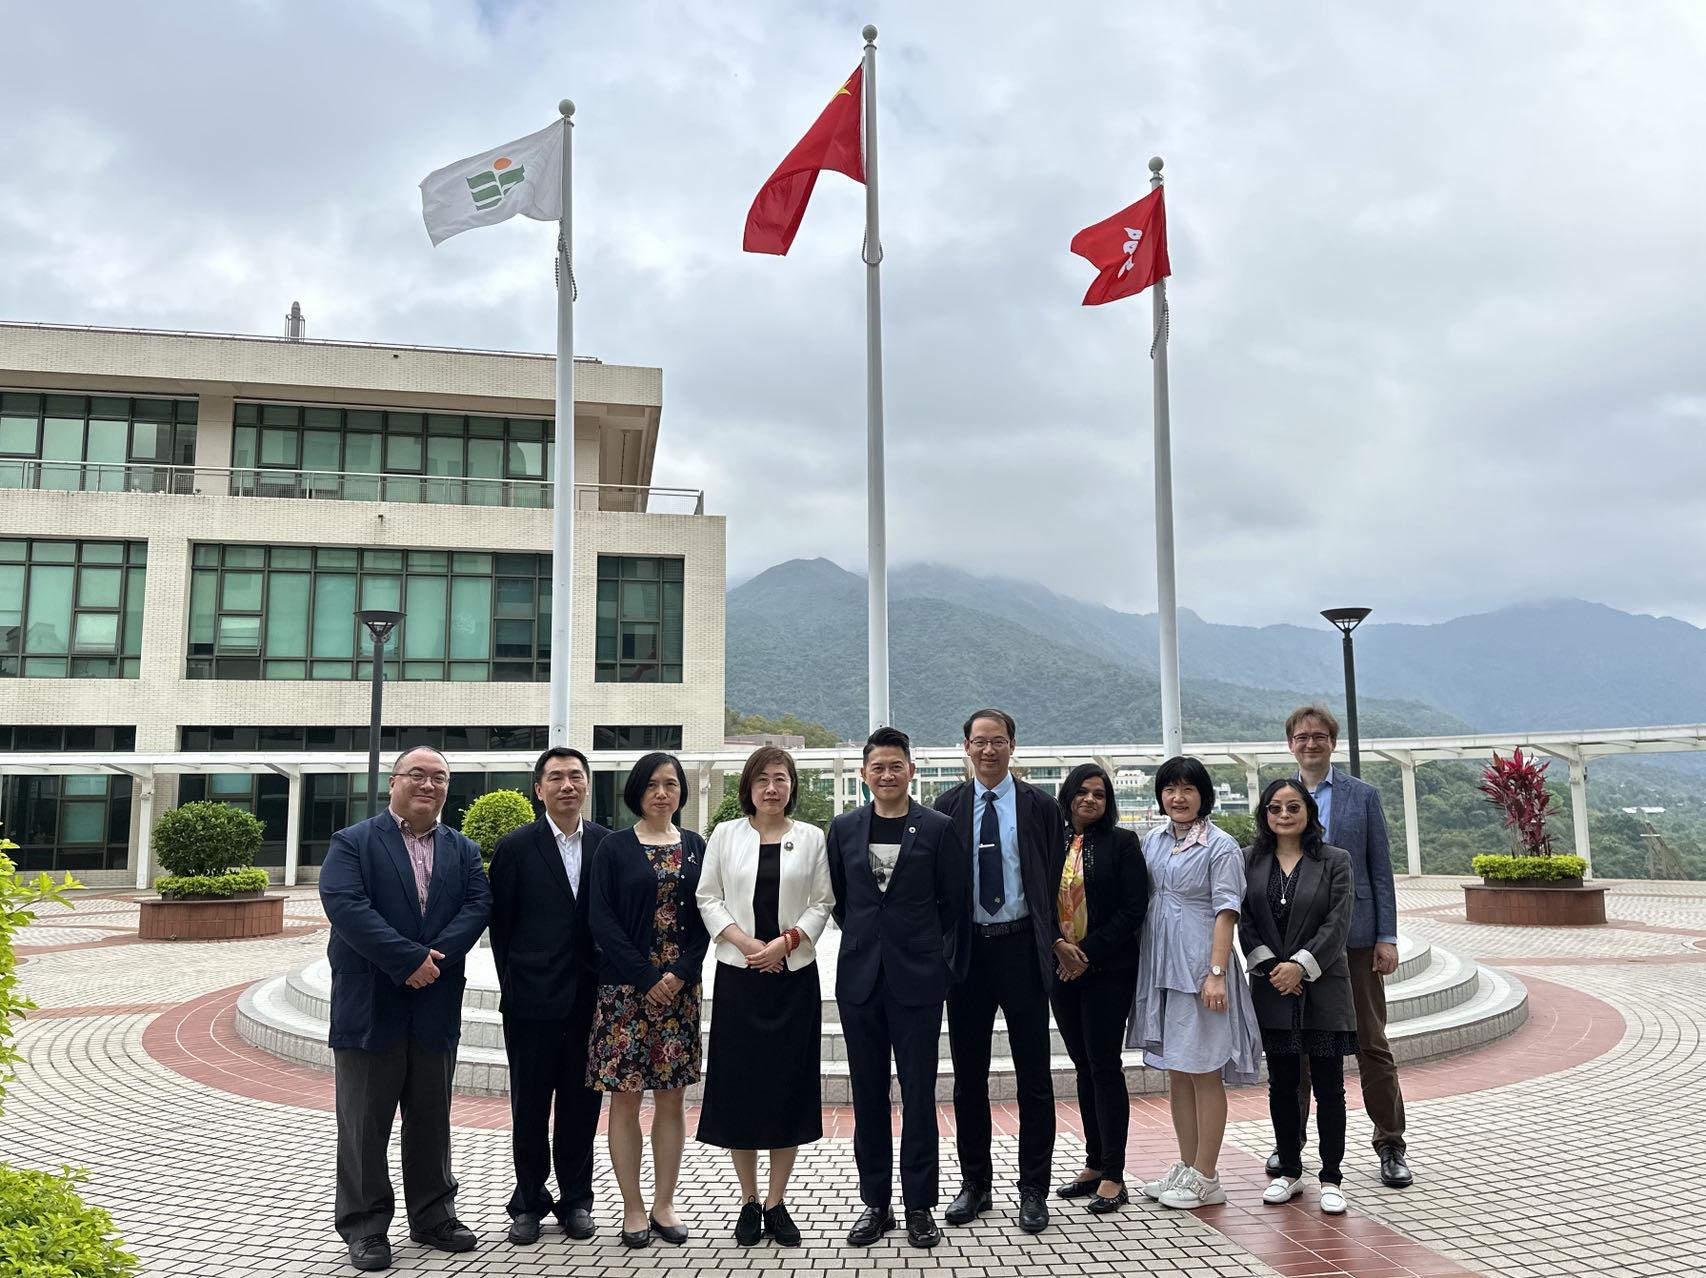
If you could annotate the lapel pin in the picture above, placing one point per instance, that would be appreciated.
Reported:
(788, 846)
(912, 829)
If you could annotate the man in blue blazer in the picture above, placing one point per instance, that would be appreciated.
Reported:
(546, 963)
(1353, 820)
(899, 881)
(407, 899)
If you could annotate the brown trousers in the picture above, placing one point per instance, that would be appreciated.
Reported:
(1381, 1096)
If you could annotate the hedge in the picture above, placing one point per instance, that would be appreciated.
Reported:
(493, 815)
(184, 887)
(47, 1231)
(1530, 869)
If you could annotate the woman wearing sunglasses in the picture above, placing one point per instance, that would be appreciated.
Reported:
(1296, 918)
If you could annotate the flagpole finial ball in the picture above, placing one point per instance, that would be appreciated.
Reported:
(870, 33)
(567, 108)
(1155, 164)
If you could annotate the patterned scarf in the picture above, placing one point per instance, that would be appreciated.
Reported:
(1074, 913)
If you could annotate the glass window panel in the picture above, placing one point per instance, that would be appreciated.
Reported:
(11, 606)
(523, 565)
(403, 452)
(515, 597)
(444, 457)
(334, 616)
(240, 591)
(466, 562)
(204, 585)
(245, 556)
(330, 669)
(364, 419)
(672, 569)
(361, 453)
(389, 559)
(404, 423)
(243, 447)
(486, 427)
(44, 667)
(320, 450)
(49, 610)
(53, 552)
(606, 643)
(289, 556)
(82, 822)
(515, 638)
(323, 418)
(639, 642)
(205, 556)
(672, 674)
(471, 617)
(280, 415)
(605, 672)
(428, 561)
(526, 460)
(154, 410)
(150, 441)
(526, 428)
(334, 559)
(65, 406)
(11, 551)
(101, 552)
(671, 642)
(423, 670)
(280, 448)
(246, 414)
(137, 551)
(442, 424)
(485, 458)
(642, 568)
(468, 672)
(286, 670)
(226, 784)
(382, 592)
(424, 624)
(672, 599)
(133, 595)
(18, 435)
(239, 634)
(186, 410)
(18, 402)
(62, 443)
(287, 614)
(108, 442)
(99, 587)
(84, 667)
(639, 599)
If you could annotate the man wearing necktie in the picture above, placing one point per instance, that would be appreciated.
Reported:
(1010, 827)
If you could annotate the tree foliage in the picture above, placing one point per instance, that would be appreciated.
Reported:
(1517, 787)
(207, 838)
(47, 1231)
(493, 815)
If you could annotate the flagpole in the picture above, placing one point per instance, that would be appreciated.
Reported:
(876, 550)
(1166, 591)
(563, 469)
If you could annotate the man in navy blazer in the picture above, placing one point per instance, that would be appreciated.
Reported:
(899, 882)
(407, 899)
(1353, 820)
(546, 965)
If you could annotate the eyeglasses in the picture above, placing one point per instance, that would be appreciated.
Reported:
(989, 743)
(1289, 809)
(420, 776)
(1311, 738)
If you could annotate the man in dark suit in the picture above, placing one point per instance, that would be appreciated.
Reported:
(899, 882)
(1352, 819)
(407, 899)
(545, 961)
(1009, 830)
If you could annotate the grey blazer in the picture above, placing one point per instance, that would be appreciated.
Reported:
(1318, 922)
(1359, 827)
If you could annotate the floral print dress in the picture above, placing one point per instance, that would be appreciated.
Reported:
(635, 1047)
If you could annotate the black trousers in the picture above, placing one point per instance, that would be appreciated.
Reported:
(1003, 974)
(1327, 1078)
(875, 1029)
(553, 1113)
(1091, 1012)
(370, 1088)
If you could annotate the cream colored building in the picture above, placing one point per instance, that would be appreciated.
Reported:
(188, 523)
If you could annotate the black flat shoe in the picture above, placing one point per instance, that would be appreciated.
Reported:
(1101, 1206)
(970, 1203)
(872, 1224)
(780, 1226)
(749, 1225)
(447, 1235)
(524, 1229)
(637, 1238)
(578, 1223)
(371, 1253)
(1077, 1188)
(921, 1228)
(674, 1235)
(1394, 1171)
(1033, 1211)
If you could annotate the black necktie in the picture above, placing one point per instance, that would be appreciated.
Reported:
(989, 878)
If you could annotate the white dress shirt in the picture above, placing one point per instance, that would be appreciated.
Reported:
(569, 848)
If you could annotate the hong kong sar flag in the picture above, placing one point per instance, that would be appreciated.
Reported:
(1129, 248)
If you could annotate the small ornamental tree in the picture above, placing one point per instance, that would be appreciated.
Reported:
(1517, 786)
(208, 850)
(493, 815)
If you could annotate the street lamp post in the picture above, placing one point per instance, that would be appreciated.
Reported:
(1347, 620)
(380, 622)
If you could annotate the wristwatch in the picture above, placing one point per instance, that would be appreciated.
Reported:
(1215, 969)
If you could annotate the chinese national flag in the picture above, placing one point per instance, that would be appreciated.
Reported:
(832, 143)
(1129, 248)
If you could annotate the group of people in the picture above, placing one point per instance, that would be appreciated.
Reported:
(1001, 897)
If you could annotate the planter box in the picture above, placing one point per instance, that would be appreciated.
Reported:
(1548, 904)
(1538, 885)
(218, 919)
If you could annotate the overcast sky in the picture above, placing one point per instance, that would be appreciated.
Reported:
(1437, 304)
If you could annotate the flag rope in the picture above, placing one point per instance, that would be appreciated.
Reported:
(1163, 330)
(865, 250)
(557, 271)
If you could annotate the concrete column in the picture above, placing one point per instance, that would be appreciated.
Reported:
(835, 807)
(145, 830)
(1579, 811)
(213, 436)
(1253, 782)
(705, 807)
(1412, 822)
(293, 830)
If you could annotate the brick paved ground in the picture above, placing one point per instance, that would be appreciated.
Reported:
(1567, 1149)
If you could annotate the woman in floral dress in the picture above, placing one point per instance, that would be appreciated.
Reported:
(645, 1031)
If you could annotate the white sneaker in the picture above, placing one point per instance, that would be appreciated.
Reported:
(1155, 1188)
(1282, 1189)
(1333, 1200)
(1193, 1190)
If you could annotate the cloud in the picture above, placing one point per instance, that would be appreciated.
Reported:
(1435, 317)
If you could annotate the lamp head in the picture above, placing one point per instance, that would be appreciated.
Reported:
(1346, 619)
(380, 622)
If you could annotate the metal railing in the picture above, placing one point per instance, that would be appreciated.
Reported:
(337, 485)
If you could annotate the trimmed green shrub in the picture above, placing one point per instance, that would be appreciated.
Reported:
(493, 815)
(207, 839)
(16, 896)
(1530, 869)
(47, 1231)
(1240, 825)
(185, 887)
(727, 810)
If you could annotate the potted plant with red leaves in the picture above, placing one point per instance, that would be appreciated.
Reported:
(1532, 884)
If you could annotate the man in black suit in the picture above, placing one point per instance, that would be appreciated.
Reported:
(1008, 828)
(407, 900)
(899, 881)
(545, 963)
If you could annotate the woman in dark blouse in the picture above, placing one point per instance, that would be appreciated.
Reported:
(1101, 894)
(645, 1030)
(1296, 918)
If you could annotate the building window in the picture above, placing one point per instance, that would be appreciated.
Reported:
(67, 823)
(52, 738)
(454, 741)
(639, 619)
(607, 806)
(71, 609)
(95, 443)
(289, 612)
(358, 454)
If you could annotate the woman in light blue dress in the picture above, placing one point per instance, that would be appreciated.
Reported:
(1192, 1016)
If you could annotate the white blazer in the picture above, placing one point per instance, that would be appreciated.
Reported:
(730, 874)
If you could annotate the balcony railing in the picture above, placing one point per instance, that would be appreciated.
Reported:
(335, 485)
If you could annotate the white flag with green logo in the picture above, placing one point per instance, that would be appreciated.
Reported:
(524, 176)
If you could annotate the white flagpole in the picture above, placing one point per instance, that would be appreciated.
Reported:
(563, 471)
(876, 551)
(1166, 591)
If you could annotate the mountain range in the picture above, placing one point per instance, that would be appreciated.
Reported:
(1078, 673)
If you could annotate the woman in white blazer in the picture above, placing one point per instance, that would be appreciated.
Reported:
(764, 896)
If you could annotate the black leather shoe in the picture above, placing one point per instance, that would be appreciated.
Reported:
(872, 1224)
(674, 1235)
(1033, 1211)
(637, 1237)
(1101, 1206)
(1077, 1188)
(447, 1235)
(780, 1226)
(524, 1229)
(371, 1253)
(971, 1202)
(1394, 1171)
(921, 1228)
(749, 1225)
(578, 1223)
(1273, 1167)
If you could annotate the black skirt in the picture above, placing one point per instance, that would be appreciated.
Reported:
(762, 1074)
